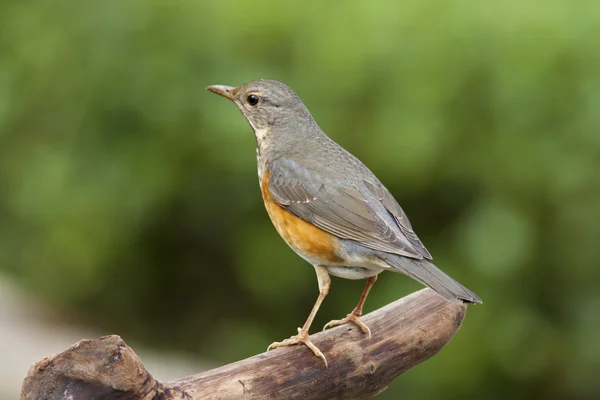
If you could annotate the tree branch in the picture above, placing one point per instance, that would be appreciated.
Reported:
(405, 333)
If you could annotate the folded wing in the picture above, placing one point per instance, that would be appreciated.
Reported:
(362, 211)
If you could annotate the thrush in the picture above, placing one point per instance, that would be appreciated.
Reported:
(328, 206)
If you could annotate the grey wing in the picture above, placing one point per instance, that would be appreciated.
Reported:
(364, 212)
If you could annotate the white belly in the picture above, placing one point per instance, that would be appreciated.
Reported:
(352, 272)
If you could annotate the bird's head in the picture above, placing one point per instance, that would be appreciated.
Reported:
(267, 104)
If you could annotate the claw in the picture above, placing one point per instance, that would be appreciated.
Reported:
(301, 337)
(350, 318)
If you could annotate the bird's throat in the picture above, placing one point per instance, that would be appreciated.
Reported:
(261, 137)
(262, 140)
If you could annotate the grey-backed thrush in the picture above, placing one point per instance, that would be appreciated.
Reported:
(328, 206)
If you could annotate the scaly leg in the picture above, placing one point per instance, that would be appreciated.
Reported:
(302, 336)
(355, 315)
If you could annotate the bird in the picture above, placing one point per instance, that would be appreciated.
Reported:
(328, 206)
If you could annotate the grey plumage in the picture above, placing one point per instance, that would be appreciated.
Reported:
(318, 181)
(358, 208)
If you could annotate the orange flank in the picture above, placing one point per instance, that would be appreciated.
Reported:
(302, 236)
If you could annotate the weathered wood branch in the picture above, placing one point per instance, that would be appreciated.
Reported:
(405, 333)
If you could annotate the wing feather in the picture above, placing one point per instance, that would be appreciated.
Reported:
(364, 212)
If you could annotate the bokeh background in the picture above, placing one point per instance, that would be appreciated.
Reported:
(129, 200)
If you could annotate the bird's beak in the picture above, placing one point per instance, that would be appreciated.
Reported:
(225, 91)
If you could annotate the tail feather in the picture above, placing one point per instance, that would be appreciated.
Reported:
(429, 275)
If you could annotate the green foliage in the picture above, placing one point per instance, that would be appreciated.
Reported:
(128, 195)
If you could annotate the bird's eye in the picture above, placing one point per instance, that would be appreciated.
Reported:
(252, 99)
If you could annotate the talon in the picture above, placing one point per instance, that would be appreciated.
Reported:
(350, 318)
(301, 337)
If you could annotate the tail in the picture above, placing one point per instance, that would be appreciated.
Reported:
(428, 274)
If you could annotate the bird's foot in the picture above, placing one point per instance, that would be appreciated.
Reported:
(301, 337)
(352, 317)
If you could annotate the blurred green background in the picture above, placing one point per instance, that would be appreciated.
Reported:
(129, 197)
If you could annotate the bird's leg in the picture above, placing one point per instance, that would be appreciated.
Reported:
(355, 315)
(302, 336)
